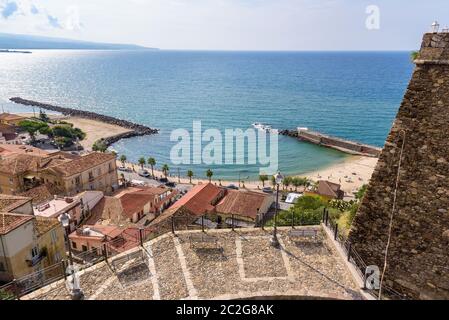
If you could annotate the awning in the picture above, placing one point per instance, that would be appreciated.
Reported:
(30, 177)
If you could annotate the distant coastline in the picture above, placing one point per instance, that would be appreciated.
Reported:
(13, 51)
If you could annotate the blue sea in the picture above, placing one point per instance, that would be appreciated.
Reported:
(353, 95)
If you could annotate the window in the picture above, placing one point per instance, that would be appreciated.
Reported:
(34, 252)
(73, 245)
(78, 180)
(2, 267)
(91, 175)
(84, 248)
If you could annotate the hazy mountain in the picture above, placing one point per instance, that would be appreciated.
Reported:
(20, 41)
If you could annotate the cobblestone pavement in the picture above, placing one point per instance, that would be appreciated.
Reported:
(238, 264)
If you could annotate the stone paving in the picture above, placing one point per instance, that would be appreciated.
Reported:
(240, 264)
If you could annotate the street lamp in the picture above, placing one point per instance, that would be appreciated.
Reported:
(77, 293)
(435, 26)
(278, 178)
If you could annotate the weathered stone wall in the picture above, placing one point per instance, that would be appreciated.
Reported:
(418, 257)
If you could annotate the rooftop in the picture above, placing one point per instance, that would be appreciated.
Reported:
(199, 200)
(10, 117)
(243, 203)
(328, 188)
(43, 225)
(9, 149)
(42, 193)
(241, 265)
(9, 202)
(11, 221)
(83, 163)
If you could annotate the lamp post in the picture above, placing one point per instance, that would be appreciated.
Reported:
(274, 239)
(435, 26)
(77, 293)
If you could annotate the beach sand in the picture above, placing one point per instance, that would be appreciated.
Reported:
(363, 168)
(95, 130)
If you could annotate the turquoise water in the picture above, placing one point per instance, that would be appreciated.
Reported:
(353, 95)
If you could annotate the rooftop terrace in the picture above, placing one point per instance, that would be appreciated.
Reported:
(242, 264)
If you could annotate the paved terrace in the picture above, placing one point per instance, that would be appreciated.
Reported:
(241, 265)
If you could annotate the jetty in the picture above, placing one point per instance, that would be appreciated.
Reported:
(135, 129)
(347, 146)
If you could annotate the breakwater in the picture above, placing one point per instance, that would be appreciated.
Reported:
(347, 146)
(136, 129)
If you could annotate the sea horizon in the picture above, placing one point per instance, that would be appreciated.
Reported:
(350, 94)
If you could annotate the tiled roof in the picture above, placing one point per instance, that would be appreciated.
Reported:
(8, 149)
(110, 209)
(243, 203)
(9, 202)
(200, 199)
(19, 163)
(11, 221)
(327, 188)
(134, 202)
(43, 225)
(42, 193)
(84, 163)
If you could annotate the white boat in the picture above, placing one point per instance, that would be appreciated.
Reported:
(265, 128)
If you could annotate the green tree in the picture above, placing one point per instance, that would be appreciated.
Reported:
(43, 116)
(263, 178)
(190, 175)
(152, 163)
(142, 162)
(165, 170)
(99, 146)
(361, 192)
(414, 55)
(287, 181)
(209, 174)
(123, 159)
(32, 127)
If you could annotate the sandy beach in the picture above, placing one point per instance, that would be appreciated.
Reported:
(351, 174)
(95, 130)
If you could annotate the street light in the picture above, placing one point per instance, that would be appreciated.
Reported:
(435, 26)
(278, 178)
(77, 293)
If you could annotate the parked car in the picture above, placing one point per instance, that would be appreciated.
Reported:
(232, 187)
(170, 184)
(124, 169)
(267, 190)
(163, 180)
(144, 173)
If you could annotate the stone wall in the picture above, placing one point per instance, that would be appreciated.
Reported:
(418, 256)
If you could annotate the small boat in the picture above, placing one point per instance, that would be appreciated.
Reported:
(265, 128)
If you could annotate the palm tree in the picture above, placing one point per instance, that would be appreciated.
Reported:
(142, 162)
(165, 170)
(273, 181)
(209, 174)
(152, 163)
(297, 182)
(190, 175)
(263, 178)
(287, 182)
(123, 159)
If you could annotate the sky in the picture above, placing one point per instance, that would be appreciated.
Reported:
(231, 24)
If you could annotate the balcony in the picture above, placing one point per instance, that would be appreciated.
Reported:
(36, 259)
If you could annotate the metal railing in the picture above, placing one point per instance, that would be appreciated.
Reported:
(354, 258)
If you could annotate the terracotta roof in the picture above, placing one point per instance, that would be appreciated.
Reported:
(327, 188)
(43, 225)
(8, 149)
(9, 202)
(42, 193)
(108, 231)
(19, 163)
(200, 199)
(243, 203)
(109, 209)
(83, 163)
(6, 128)
(134, 202)
(11, 221)
(9, 117)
